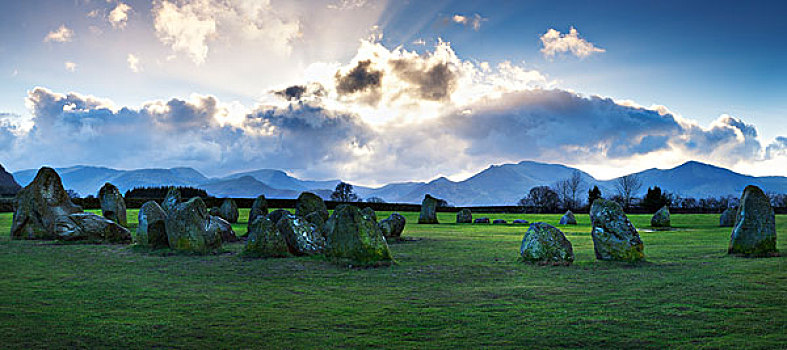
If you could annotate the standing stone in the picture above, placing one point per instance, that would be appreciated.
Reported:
(483, 220)
(428, 211)
(727, 218)
(229, 211)
(277, 214)
(661, 218)
(258, 208)
(302, 237)
(38, 205)
(113, 207)
(545, 244)
(308, 203)
(393, 226)
(568, 219)
(152, 229)
(222, 228)
(369, 213)
(188, 228)
(614, 237)
(464, 216)
(90, 227)
(754, 233)
(265, 241)
(499, 221)
(351, 236)
(171, 200)
(521, 221)
(316, 219)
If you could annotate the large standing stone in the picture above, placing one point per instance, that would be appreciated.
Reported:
(727, 218)
(277, 214)
(222, 228)
(308, 203)
(152, 228)
(264, 240)
(393, 226)
(464, 216)
(428, 211)
(188, 228)
(171, 200)
(113, 207)
(661, 218)
(38, 205)
(369, 213)
(229, 211)
(258, 208)
(351, 236)
(568, 219)
(754, 233)
(302, 237)
(90, 227)
(614, 237)
(545, 244)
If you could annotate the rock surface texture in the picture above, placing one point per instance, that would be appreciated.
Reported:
(428, 211)
(754, 233)
(393, 226)
(152, 228)
(188, 228)
(38, 205)
(354, 238)
(545, 244)
(113, 207)
(265, 240)
(90, 227)
(614, 237)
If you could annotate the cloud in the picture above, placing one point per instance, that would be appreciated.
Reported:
(347, 4)
(473, 21)
(62, 35)
(118, 17)
(556, 43)
(189, 27)
(70, 66)
(436, 114)
(133, 63)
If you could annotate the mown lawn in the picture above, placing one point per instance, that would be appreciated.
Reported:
(455, 286)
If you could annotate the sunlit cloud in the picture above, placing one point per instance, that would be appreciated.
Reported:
(555, 43)
(62, 35)
(70, 66)
(473, 21)
(118, 17)
(133, 63)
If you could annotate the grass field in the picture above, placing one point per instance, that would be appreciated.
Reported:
(455, 286)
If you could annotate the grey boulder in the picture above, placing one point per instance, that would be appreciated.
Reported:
(614, 237)
(568, 219)
(661, 218)
(545, 244)
(152, 228)
(464, 216)
(113, 207)
(754, 233)
(90, 227)
(393, 226)
(428, 213)
(188, 228)
(38, 205)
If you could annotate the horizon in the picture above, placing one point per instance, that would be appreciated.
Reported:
(378, 92)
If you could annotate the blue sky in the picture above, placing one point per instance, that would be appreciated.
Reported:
(714, 70)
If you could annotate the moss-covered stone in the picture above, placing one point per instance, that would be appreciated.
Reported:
(428, 211)
(308, 203)
(302, 237)
(91, 228)
(171, 200)
(393, 226)
(188, 226)
(661, 218)
(464, 216)
(258, 208)
(568, 219)
(351, 237)
(727, 217)
(38, 205)
(754, 233)
(265, 240)
(369, 213)
(113, 207)
(152, 229)
(229, 211)
(545, 244)
(222, 228)
(614, 237)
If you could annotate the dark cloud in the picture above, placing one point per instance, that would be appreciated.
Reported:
(433, 83)
(777, 148)
(292, 93)
(361, 78)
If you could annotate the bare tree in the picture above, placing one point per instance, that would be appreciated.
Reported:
(543, 198)
(627, 187)
(569, 190)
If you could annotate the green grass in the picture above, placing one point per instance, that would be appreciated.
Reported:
(455, 286)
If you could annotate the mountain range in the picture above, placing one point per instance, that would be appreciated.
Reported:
(497, 185)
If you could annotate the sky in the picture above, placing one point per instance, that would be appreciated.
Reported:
(374, 91)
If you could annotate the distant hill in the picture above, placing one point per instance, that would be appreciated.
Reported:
(8, 186)
(497, 185)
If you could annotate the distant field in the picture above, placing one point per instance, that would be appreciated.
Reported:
(455, 286)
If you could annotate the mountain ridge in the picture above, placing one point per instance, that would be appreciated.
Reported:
(502, 184)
